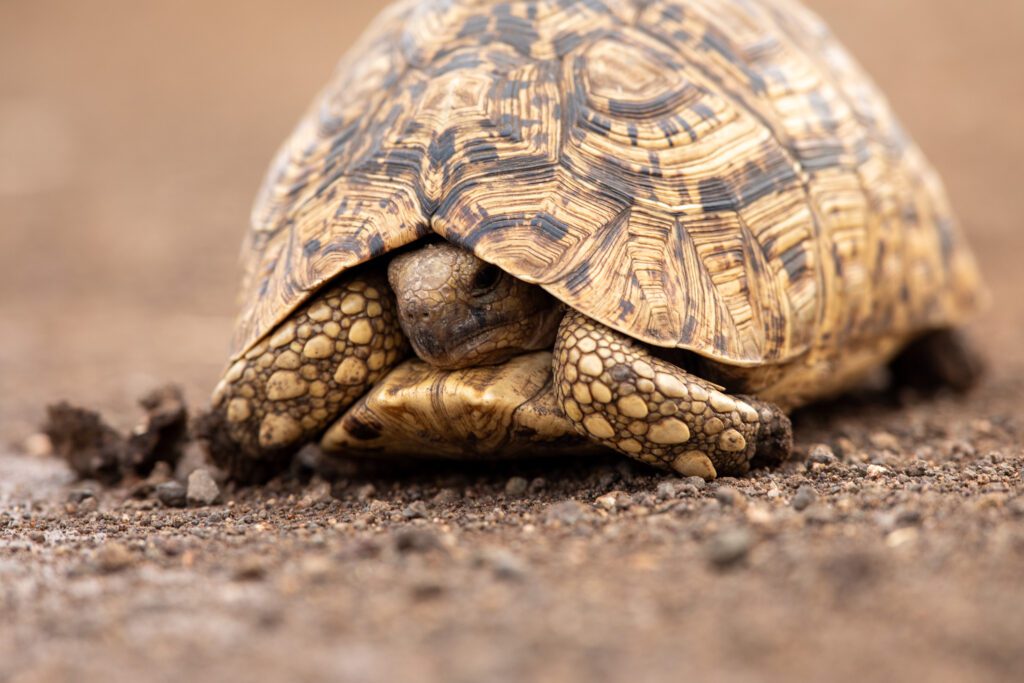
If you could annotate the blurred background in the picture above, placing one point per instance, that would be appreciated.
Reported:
(133, 136)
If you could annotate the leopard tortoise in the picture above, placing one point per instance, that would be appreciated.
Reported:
(654, 226)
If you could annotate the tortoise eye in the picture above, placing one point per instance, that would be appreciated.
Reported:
(486, 278)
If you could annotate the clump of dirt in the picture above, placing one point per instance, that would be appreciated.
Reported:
(95, 450)
(92, 448)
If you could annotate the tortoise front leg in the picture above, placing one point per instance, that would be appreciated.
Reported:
(311, 368)
(621, 396)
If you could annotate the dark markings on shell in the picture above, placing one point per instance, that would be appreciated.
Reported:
(442, 148)
(364, 431)
(311, 247)
(795, 261)
(714, 176)
(549, 226)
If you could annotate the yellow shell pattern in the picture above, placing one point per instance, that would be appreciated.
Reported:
(714, 175)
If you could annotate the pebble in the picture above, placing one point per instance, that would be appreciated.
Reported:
(666, 490)
(885, 441)
(696, 482)
(565, 512)
(614, 500)
(316, 493)
(821, 454)
(416, 510)
(202, 489)
(876, 471)
(79, 495)
(113, 556)
(728, 496)
(918, 468)
(172, 494)
(445, 495)
(365, 492)
(516, 486)
(804, 497)
(415, 540)
(729, 547)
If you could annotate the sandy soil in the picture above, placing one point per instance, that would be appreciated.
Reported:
(132, 138)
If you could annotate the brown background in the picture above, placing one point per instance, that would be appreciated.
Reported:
(133, 136)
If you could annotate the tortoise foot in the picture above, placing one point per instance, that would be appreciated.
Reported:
(621, 396)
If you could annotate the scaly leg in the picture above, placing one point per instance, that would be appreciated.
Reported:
(620, 395)
(300, 378)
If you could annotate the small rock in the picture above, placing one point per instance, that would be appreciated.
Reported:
(760, 516)
(666, 490)
(615, 500)
(172, 494)
(885, 441)
(79, 495)
(730, 547)
(918, 468)
(566, 512)
(365, 492)
(805, 496)
(317, 492)
(445, 495)
(416, 540)
(686, 491)
(415, 510)
(696, 482)
(876, 471)
(908, 517)
(113, 556)
(728, 496)
(202, 489)
(516, 486)
(821, 454)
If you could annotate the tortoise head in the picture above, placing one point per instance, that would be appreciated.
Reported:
(459, 311)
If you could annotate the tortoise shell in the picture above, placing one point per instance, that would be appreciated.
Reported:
(713, 175)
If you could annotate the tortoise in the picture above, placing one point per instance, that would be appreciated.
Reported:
(651, 226)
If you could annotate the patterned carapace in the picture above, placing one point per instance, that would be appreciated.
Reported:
(714, 175)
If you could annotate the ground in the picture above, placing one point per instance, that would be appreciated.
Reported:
(132, 138)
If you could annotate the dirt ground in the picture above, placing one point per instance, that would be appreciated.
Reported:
(132, 139)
